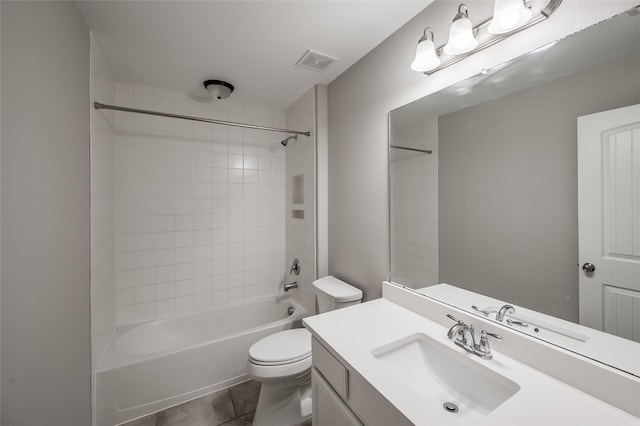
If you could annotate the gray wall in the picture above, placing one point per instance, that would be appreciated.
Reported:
(45, 215)
(361, 98)
(508, 187)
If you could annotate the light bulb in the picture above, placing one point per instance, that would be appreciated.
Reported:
(426, 57)
(508, 15)
(461, 39)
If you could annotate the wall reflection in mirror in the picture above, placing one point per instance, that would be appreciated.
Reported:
(484, 189)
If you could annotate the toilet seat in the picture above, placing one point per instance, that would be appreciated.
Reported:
(282, 348)
(299, 370)
(283, 355)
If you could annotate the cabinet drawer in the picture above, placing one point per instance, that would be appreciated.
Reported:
(331, 369)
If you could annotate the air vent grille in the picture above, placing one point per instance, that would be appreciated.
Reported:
(315, 61)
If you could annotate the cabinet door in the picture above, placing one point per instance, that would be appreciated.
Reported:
(328, 408)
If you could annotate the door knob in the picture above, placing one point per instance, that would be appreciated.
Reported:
(588, 267)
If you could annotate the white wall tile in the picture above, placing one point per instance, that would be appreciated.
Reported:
(165, 308)
(124, 315)
(143, 294)
(191, 206)
(184, 304)
(144, 311)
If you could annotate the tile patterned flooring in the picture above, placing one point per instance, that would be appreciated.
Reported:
(234, 406)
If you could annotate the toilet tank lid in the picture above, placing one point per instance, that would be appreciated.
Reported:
(339, 290)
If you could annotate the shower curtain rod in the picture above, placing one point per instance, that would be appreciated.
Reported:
(98, 105)
(424, 151)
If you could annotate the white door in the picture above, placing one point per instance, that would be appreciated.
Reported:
(609, 221)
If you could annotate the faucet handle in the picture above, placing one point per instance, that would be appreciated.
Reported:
(455, 319)
(484, 350)
(295, 267)
(495, 336)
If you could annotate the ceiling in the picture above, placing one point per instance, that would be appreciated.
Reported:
(251, 44)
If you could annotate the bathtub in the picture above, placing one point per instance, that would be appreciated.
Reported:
(157, 364)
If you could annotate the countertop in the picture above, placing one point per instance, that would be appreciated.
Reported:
(355, 331)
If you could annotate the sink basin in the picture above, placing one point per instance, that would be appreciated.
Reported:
(441, 374)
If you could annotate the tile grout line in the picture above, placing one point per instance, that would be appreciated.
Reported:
(233, 404)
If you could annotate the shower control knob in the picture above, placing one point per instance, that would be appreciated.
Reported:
(295, 267)
(588, 267)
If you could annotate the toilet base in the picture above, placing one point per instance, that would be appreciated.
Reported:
(284, 404)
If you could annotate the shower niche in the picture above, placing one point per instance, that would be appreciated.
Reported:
(297, 196)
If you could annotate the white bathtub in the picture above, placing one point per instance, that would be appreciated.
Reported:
(154, 365)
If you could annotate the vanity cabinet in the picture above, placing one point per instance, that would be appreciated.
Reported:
(328, 408)
(342, 397)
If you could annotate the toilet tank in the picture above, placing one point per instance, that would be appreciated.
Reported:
(332, 293)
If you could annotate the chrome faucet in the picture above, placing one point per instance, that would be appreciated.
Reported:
(483, 350)
(289, 286)
(463, 335)
(505, 309)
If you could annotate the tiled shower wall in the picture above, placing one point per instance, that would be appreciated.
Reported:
(199, 207)
(414, 203)
(103, 155)
(301, 200)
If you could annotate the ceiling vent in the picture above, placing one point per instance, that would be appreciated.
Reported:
(315, 61)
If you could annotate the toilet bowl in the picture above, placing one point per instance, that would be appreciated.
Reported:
(282, 362)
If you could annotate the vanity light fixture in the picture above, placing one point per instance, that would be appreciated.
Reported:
(510, 17)
(426, 57)
(461, 38)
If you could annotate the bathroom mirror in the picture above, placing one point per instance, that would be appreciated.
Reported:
(484, 183)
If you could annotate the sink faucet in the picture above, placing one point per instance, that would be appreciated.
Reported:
(505, 309)
(463, 335)
(289, 286)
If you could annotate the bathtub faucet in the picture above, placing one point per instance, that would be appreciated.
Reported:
(289, 286)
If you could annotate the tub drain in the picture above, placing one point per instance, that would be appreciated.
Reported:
(450, 407)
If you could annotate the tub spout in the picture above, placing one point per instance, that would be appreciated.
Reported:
(289, 286)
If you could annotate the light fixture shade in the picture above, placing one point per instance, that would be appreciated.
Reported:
(461, 39)
(426, 56)
(508, 15)
(218, 89)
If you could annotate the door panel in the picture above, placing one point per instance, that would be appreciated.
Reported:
(609, 220)
(620, 305)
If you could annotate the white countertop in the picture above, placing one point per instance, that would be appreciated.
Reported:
(542, 400)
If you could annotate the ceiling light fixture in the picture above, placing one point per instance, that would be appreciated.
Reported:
(461, 38)
(218, 89)
(510, 17)
(426, 57)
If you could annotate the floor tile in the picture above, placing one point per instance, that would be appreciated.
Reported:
(210, 410)
(246, 420)
(245, 397)
(149, 420)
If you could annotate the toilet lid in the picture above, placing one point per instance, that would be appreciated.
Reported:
(282, 348)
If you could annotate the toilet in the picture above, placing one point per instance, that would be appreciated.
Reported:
(282, 361)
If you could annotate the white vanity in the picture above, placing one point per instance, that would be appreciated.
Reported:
(390, 362)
